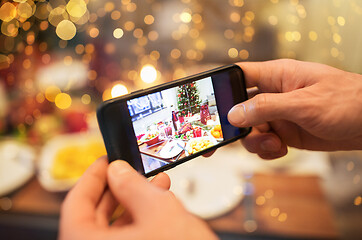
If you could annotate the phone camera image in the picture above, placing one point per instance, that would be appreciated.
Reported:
(175, 123)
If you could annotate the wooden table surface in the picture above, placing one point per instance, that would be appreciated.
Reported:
(283, 205)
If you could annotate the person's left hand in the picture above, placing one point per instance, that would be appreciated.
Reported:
(151, 212)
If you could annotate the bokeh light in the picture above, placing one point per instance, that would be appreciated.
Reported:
(153, 35)
(313, 36)
(93, 32)
(244, 54)
(357, 201)
(129, 25)
(57, 15)
(10, 28)
(7, 12)
(42, 11)
(76, 8)
(86, 99)
(63, 101)
(4, 61)
(66, 30)
(233, 52)
(260, 200)
(51, 92)
(148, 73)
(118, 90)
(115, 15)
(118, 33)
(24, 10)
(149, 19)
(282, 217)
(274, 212)
(235, 17)
(106, 94)
(185, 17)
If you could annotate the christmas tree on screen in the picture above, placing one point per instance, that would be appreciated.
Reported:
(188, 99)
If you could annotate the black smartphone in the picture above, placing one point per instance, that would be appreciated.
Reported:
(157, 128)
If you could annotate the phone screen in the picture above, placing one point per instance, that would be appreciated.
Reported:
(170, 125)
(175, 123)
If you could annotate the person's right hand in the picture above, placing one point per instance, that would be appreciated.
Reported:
(301, 104)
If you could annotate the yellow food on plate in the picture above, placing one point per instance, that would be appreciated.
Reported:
(216, 132)
(198, 145)
(71, 161)
(217, 128)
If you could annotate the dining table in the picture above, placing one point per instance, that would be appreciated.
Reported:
(282, 206)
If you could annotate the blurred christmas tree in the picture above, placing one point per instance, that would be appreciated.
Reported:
(188, 100)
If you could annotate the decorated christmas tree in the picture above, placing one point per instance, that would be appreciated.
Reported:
(188, 100)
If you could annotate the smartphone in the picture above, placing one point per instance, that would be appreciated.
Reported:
(158, 128)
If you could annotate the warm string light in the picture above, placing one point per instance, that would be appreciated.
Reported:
(118, 90)
(148, 73)
(275, 212)
(76, 9)
(357, 201)
(54, 95)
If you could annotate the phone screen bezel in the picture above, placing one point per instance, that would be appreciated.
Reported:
(112, 103)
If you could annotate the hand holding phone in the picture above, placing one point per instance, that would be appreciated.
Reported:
(160, 127)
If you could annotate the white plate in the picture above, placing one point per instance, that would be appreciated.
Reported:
(172, 149)
(205, 190)
(47, 157)
(210, 138)
(16, 165)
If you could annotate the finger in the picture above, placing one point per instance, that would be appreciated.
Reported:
(105, 208)
(162, 180)
(124, 219)
(271, 156)
(130, 188)
(265, 127)
(252, 92)
(268, 76)
(108, 204)
(264, 144)
(266, 107)
(85, 195)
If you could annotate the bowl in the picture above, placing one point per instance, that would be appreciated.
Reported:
(152, 141)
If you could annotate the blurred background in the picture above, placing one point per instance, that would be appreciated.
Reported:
(60, 58)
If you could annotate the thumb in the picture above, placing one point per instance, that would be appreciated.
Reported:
(129, 187)
(263, 108)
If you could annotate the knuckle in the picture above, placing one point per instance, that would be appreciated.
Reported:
(288, 61)
(261, 101)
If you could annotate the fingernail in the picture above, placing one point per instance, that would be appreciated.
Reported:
(269, 146)
(237, 115)
(119, 167)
